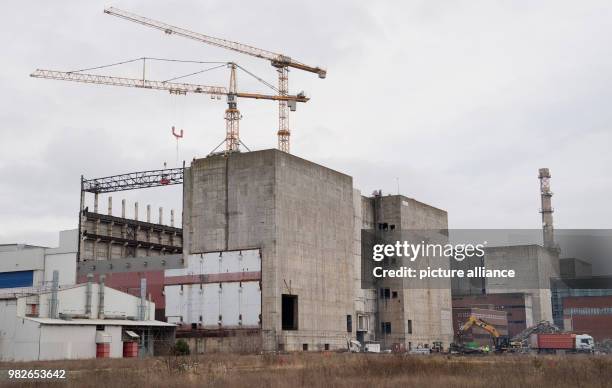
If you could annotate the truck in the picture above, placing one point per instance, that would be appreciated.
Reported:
(568, 342)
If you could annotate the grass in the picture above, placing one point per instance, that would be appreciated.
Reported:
(330, 370)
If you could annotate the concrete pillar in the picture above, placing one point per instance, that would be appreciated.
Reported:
(148, 213)
(172, 217)
(161, 215)
(110, 206)
(123, 208)
(547, 209)
(95, 202)
(136, 211)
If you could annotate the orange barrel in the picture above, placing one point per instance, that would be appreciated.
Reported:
(102, 350)
(130, 349)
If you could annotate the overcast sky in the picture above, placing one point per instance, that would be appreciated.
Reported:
(462, 101)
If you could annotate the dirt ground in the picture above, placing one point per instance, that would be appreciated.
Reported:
(326, 370)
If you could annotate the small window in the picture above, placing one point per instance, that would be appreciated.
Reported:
(385, 327)
(201, 318)
(305, 347)
(194, 326)
(394, 295)
(387, 293)
(100, 327)
(410, 326)
(326, 346)
(349, 323)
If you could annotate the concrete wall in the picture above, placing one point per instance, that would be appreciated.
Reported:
(428, 310)
(535, 266)
(301, 216)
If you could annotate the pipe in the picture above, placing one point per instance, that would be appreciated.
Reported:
(143, 297)
(53, 313)
(110, 206)
(136, 211)
(88, 295)
(149, 213)
(172, 217)
(123, 208)
(161, 215)
(101, 298)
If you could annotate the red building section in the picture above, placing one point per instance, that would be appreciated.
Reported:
(129, 282)
(589, 315)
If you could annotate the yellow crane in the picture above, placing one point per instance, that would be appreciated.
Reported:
(232, 114)
(281, 62)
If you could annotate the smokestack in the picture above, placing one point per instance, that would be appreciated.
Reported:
(101, 298)
(547, 209)
(53, 313)
(88, 295)
(143, 299)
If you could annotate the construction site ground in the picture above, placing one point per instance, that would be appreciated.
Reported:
(326, 369)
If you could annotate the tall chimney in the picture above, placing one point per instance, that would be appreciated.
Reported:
(547, 209)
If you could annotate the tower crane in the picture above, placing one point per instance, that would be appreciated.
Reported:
(281, 62)
(232, 114)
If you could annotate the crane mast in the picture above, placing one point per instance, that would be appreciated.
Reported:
(281, 62)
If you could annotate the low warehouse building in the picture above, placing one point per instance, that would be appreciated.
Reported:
(76, 322)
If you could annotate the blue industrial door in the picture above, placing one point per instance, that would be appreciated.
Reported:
(16, 279)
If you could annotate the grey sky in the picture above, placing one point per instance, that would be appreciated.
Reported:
(462, 100)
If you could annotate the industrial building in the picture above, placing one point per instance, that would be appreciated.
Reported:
(589, 314)
(80, 321)
(271, 258)
(27, 266)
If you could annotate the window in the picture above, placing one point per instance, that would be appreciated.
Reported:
(410, 326)
(385, 327)
(326, 346)
(290, 312)
(100, 327)
(394, 295)
(349, 323)
(385, 293)
(305, 347)
(194, 326)
(362, 322)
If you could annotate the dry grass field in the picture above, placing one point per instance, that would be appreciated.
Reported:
(328, 370)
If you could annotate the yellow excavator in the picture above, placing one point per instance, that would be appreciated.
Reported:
(500, 342)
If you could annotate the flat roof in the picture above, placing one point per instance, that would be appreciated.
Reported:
(108, 322)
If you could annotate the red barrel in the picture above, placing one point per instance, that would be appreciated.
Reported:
(102, 350)
(130, 349)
